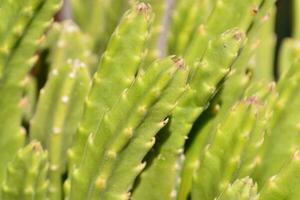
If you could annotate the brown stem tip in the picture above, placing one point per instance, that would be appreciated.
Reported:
(143, 7)
(253, 100)
(238, 35)
(179, 63)
(36, 147)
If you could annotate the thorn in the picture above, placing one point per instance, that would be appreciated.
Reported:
(254, 10)
(100, 183)
(23, 102)
(61, 44)
(56, 130)
(201, 29)
(128, 132)
(173, 194)
(295, 156)
(33, 59)
(272, 181)
(142, 109)
(65, 99)
(54, 72)
(72, 74)
(151, 142)
(125, 196)
(164, 122)
(140, 167)
(54, 167)
(111, 154)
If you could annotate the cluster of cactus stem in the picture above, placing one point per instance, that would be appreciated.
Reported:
(153, 100)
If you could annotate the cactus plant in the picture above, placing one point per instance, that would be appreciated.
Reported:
(150, 100)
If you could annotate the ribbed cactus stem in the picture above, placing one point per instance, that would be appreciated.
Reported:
(20, 33)
(130, 159)
(202, 86)
(285, 119)
(118, 126)
(222, 156)
(61, 119)
(285, 184)
(183, 28)
(241, 189)
(117, 70)
(227, 14)
(26, 174)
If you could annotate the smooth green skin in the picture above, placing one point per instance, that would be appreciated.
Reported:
(285, 120)
(117, 128)
(98, 18)
(241, 189)
(115, 73)
(26, 175)
(202, 87)
(58, 113)
(18, 51)
(227, 14)
(183, 28)
(130, 159)
(289, 52)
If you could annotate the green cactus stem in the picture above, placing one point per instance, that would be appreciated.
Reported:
(117, 70)
(183, 28)
(29, 99)
(203, 86)
(118, 127)
(26, 175)
(241, 189)
(227, 14)
(289, 53)
(98, 18)
(65, 41)
(285, 184)
(130, 161)
(20, 34)
(285, 119)
(58, 113)
(223, 155)
(296, 21)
